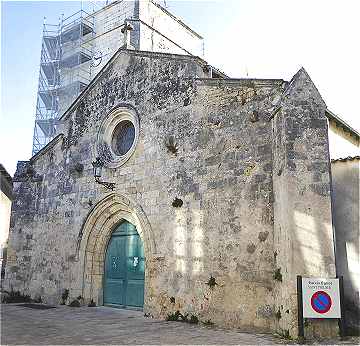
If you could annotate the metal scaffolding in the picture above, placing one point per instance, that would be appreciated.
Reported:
(72, 53)
(64, 71)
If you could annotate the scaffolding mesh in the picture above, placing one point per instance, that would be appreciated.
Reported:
(65, 70)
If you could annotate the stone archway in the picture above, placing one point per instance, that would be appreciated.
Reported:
(95, 235)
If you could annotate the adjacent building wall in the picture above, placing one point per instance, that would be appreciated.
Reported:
(161, 31)
(6, 197)
(342, 142)
(5, 208)
(346, 192)
(344, 145)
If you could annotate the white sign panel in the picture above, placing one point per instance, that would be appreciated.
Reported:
(321, 298)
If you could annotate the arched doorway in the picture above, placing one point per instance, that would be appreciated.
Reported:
(124, 268)
(94, 238)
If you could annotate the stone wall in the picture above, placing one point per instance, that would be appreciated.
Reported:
(346, 192)
(232, 147)
(303, 239)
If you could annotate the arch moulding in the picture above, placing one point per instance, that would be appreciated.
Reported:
(95, 235)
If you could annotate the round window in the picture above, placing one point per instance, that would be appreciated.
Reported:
(117, 137)
(123, 137)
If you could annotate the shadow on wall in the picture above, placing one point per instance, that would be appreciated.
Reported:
(345, 197)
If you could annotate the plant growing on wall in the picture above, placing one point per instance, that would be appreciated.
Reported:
(212, 282)
(174, 316)
(38, 300)
(179, 317)
(171, 145)
(248, 170)
(177, 203)
(278, 275)
(285, 334)
(64, 297)
(92, 304)
(254, 116)
(208, 323)
(15, 297)
(74, 304)
(193, 319)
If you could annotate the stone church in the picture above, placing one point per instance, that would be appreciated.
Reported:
(168, 189)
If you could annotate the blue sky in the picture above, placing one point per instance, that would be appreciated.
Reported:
(254, 38)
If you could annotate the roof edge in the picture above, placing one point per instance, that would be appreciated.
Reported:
(245, 81)
(6, 183)
(5, 173)
(47, 147)
(331, 116)
(344, 159)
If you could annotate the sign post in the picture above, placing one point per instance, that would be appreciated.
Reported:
(300, 307)
(319, 298)
(342, 308)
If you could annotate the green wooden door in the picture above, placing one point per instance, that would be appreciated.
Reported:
(124, 268)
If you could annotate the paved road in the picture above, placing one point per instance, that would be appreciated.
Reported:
(102, 325)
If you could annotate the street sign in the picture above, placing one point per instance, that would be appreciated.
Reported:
(321, 302)
(321, 298)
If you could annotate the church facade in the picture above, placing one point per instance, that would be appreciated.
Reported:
(213, 195)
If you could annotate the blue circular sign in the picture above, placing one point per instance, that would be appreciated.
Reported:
(321, 302)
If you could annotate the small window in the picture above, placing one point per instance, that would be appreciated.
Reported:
(123, 137)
